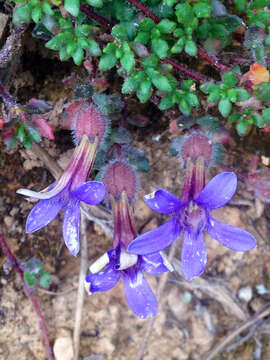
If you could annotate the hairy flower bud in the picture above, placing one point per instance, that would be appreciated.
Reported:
(119, 177)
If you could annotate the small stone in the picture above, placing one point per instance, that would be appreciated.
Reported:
(63, 348)
(245, 293)
(8, 220)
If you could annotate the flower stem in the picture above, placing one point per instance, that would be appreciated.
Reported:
(31, 297)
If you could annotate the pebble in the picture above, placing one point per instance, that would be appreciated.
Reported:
(245, 293)
(63, 347)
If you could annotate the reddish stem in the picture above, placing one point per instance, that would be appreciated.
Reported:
(193, 74)
(99, 19)
(144, 10)
(31, 297)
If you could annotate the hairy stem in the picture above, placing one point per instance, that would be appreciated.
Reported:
(31, 297)
(93, 15)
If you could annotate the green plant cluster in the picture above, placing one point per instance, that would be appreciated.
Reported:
(35, 274)
(141, 44)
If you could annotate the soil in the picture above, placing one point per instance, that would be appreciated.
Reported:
(189, 321)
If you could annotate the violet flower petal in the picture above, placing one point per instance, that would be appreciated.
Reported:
(163, 202)
(139, 295)
(90, 192)
(157, 239)
(218, 191)
(153, 264)
(103, 281)
(230, 236)
(71, 226)
(44, 212)
(194, 257)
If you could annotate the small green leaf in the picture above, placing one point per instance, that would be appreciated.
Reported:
(130, 85)
(162, 83)
(30, 279)
(47, 8)
(234, 117)
(160, 48)
(127, 61)
(107, 61)
(262, 91)
(145, 91)
(266, 116)
(230, 79)
(167, 102)
(242, 127)
(142, 37)
(202, 10)
(192, 99)
(93, 48)
(72, 6)
(36, 14)
(45, 280)
(184, 107)
(95, 3)
(224, 107)
(214, 96)
(178, 46)
(150, 61)
(119, 32)
(166, 26)
(22, 14)
(191, 48)
(78, 55)
(71, 47)
(242, 94)
(232, 95)
(146, 25)
(82, 30)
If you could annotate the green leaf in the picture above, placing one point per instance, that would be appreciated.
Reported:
(266, 116)
(95, 3)
(130, 85)
(258, 120)
(47, 8)
(63, 54)
(71, 47)
(167, 102)
(208, 87)
(142, 37)
(162, 83)
(262, 91)
(82, 30)
(107, 61)
(187, 84)
(242, 94)
(146, 25)
(119, 32)
(21, 133)
(30, 279)
(234, 117)
(184, 13)
(230, 79)
(232, 95)
(93, 48)
(184, 107)
(72, 6)
(192, 99)
(22, 14)
(150, 61)
(202, 10)
(166, 26)
(160, 48)
(145, 91)
(191, 48)
(214, 96)
(45, 280)
(110, 48)
(224, 107)
(242, 127)
(178, 46)
(34, 133)
(171, 3)
(127, 61)
(78, 55)
(36, 14)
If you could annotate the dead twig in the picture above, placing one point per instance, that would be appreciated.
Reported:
(80, 293)
(260, 314)
(215, 290)
(150, 323)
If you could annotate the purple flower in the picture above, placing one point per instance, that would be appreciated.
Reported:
(130, 267)
(121, 184)
(192, 215)
(66, 193)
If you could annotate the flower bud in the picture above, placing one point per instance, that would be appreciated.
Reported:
(119, 177)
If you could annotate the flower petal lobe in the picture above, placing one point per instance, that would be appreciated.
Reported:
(103, 281)
(230, 236)
(90, 192)
(163, 202)
(71, 227)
